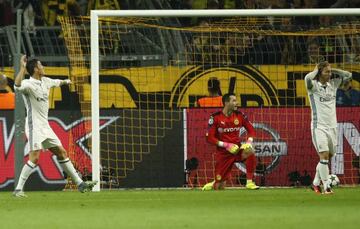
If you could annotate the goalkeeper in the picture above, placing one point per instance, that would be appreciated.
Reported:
(224, 132)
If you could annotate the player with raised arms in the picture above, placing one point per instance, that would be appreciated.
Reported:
(35, 92)
(224, 132)
(321, 88)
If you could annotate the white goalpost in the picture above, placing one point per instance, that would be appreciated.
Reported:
(95, 56)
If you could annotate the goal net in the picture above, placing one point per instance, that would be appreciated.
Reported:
(153, 71)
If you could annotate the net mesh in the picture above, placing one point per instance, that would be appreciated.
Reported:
(152, 68)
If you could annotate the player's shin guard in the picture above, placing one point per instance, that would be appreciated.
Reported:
(68, 167)
(26, 171)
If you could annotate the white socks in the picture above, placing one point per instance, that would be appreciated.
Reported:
(27, 169)
(317, 178)
(68, 167)
(323, 166)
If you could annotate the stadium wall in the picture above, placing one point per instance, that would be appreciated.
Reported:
(264, 85)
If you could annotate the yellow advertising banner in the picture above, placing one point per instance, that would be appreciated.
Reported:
(181, 86)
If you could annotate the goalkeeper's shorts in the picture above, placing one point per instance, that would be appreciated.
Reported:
(324, 140)
(223, 164)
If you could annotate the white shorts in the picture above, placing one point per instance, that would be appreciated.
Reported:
(42, 138)
(324, 140)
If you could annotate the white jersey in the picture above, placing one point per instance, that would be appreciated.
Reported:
(322, 101)
(36, 97)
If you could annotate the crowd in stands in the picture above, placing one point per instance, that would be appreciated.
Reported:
(44, 12)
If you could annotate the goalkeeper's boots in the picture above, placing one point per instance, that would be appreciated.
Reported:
(328, 191)
(86, 186)
(251, 185)
(208, 186)
(316, 189)
(19, 193)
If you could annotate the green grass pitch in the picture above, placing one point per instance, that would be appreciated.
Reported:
(237, 208)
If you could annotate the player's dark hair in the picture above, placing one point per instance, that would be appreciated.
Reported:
(214, 86)
(31, 65)
(226, 97)
(321, 66)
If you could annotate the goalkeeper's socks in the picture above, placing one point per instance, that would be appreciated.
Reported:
(250, 166)
(27, 169)
(68, 167)
(317, 178)
(324, 171)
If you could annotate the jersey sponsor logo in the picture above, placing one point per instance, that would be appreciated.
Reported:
(327, 98)
(231, 129)
(48, 168)
(272, 149)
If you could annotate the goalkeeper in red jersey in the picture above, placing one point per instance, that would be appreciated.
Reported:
(224, 132)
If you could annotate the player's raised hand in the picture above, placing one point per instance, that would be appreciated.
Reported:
(316, 68)
(23, 61)
(67, 82)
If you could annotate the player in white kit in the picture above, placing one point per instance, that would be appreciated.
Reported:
(321, 88)
(35, 92)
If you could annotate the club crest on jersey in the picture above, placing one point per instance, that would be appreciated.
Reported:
(236, 121)
(211, 120)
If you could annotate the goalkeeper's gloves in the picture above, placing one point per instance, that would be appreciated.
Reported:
(247, 147)
(230, 147)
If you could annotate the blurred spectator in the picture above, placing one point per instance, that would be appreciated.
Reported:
(199, 4)
(305, 22)
(213, 4)
(308, 4)
(249, 4)
(353, 56)
(346, 4)
(29, 17)
(103, 5)
(214, 99)
(7, 99)
(313, 55)
(185, 5)
(6, 13)
(83, 4)
(326, 3)
(73, 9)
(201, 45)
(51, 9)
(347, 96)
(32, 13)
(239, 45)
